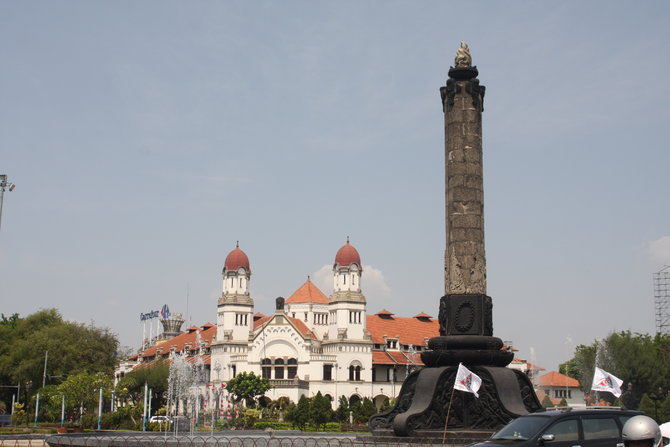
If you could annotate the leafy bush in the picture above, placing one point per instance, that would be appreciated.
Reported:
(89, 420)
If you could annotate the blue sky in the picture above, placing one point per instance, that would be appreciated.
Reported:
(146, 138)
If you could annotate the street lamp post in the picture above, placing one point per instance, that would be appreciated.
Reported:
(29, 384)
(4, 184)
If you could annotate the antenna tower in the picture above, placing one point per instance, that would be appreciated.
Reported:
(662, 300)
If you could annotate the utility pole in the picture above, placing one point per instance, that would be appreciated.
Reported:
(4, 184)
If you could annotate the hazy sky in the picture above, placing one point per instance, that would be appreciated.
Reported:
(146, 138)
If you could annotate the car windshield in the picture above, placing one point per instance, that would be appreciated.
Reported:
(521, 428)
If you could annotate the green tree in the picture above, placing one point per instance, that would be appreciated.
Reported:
(640, 360)
(81, 391)
(73, 348)
(362, 410)
(299, 415)
(546, 402)
(647, 405)
(569, 369)
(131, 386)
(247, 386)
(664, 410)
(342, 411)
(321, 410)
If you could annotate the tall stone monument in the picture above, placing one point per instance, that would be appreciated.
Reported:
(466, 311)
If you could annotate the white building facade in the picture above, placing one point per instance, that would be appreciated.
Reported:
(313, 343)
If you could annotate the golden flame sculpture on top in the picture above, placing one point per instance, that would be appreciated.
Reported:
(463, 58)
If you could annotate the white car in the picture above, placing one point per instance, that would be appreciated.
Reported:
(159, 419)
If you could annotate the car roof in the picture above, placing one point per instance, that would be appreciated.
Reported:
(553, 412)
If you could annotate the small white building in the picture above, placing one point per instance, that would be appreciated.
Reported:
(558, 386)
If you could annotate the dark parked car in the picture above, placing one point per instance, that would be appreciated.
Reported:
(568, 427)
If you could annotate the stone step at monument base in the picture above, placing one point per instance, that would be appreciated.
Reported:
(429, 437)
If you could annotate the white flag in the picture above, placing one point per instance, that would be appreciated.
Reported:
(467, 381)
(604, 381)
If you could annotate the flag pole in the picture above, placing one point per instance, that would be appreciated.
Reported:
(446, 421)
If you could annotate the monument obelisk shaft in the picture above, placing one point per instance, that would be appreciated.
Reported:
(464, 258)
(427, 405)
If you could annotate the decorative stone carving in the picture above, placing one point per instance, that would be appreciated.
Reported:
(504, 395)
(463, 58)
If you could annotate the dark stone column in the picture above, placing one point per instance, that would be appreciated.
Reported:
(466, 311)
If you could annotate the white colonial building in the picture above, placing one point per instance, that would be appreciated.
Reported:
(313, 342)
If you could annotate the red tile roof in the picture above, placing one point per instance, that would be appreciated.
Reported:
(181, 340)
(302, 327)
(396, 358)
(557, 379)
(409, 331)
(422, 315)
(384, 312)
(308, 293)
(258, 322)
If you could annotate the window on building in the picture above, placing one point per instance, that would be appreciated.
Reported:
(234, 368)
(266, 368)
(279, 368)
(355, 372)
(292, 368)
(327, 372)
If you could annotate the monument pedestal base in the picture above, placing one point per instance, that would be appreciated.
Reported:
(427, 437)
(427, 396)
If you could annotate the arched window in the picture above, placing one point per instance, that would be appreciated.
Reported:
(266, 368)
(355, 371)
(292, 368)
(279, 368)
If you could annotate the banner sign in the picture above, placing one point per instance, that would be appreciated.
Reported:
(149, 315)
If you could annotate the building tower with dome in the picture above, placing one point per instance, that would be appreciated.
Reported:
(234, 317)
